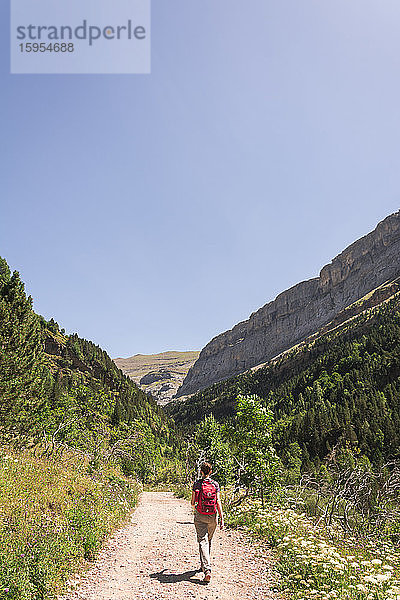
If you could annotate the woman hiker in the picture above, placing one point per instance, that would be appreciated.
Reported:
(206, 501)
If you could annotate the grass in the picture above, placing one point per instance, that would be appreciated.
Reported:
(54, 516)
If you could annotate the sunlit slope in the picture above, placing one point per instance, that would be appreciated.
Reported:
(158, 374)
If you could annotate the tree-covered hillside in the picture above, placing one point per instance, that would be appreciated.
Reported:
(64, 391)
(341, 388)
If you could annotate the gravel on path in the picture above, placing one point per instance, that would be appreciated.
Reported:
(155, 557)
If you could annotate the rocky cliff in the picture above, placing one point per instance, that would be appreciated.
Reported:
(302, 310)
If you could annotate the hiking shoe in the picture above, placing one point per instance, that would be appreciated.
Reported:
(207, 577)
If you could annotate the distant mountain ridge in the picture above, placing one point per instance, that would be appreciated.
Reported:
(302, 310)
(158, 374)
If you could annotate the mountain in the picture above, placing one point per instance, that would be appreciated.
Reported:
(302, 310)
(158, 374)
(337, 389)
(65, 392)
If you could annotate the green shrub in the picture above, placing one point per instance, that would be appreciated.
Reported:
(183, 491)
(54, 514)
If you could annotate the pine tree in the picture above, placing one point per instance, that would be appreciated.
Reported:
(21, 352)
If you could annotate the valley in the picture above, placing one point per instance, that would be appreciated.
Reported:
(294, 408)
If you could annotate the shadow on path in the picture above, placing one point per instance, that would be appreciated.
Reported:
(164, 577)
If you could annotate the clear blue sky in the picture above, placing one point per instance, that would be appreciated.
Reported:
(152, 212)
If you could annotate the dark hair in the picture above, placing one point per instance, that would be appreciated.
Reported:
(205, 468)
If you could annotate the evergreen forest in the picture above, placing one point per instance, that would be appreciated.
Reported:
(341, 389)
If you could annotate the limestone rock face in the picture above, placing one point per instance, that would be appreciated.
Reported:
(156, 376)
(302, 310)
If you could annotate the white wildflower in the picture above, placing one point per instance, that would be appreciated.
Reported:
(381, 577)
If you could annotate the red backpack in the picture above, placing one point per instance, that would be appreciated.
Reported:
(207, 498)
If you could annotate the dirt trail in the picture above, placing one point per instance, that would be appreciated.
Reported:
(155, 557)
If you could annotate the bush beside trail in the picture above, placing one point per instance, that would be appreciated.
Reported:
(316, 562)
(54, 516)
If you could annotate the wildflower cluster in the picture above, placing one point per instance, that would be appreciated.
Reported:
(53, 514)
(319, 564)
